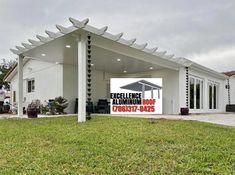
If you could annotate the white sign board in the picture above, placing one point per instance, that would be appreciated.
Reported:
(136, 96)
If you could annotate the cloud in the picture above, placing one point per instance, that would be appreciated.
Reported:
(221, 59)
(184, 28)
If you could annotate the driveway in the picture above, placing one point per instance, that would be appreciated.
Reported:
(227, 119)
(221, 119)
(7, 116)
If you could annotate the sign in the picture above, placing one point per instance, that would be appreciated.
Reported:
(136, 96)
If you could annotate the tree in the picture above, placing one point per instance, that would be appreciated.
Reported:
(5, 66)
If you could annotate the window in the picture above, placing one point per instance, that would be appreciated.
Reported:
(210, 96)
(191, 93)
(196, 93)
(31, 85)
(213, 95)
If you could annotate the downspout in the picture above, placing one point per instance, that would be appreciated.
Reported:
(187, 79)
(88, 76)
(228, 87)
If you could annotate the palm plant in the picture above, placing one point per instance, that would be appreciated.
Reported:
(60, 104)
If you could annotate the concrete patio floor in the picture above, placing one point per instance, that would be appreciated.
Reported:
(221, 119)
(227, 119)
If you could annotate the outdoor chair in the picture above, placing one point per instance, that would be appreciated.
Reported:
(103, 106)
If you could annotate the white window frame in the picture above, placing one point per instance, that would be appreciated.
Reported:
(213, 84)
(195, 94)
(32, 80)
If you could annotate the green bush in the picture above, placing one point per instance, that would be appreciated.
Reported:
(44, 109)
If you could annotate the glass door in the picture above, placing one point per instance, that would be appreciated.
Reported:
(210, 96)
(196, 93)
(213, 95)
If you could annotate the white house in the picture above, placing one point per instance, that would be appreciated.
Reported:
(56, 65)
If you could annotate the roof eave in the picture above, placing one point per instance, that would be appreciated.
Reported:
(209, 71)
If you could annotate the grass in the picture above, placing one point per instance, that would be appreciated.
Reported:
(108, 145)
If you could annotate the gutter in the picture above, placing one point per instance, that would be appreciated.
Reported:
(209, 71)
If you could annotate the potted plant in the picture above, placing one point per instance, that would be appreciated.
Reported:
(32, 110)
(184, 111)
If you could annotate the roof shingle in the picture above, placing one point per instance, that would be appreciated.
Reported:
(230, 73)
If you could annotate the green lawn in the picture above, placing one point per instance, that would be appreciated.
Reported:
(108, 145)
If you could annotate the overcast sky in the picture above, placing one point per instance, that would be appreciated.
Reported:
(200, 30)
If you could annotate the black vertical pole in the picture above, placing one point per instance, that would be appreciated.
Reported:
(229, 101)
(187, 79)
(89, 77)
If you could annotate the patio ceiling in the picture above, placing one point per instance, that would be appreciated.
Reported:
(105, 60)
(63, 50)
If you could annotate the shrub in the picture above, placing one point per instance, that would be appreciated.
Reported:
(44, 109)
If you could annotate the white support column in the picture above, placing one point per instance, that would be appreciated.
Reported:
(152, 92)
(143, 91)
(82, 79)
(182, 88)
(20, 86)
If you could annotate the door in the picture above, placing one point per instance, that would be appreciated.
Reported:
(195, 93)
(213, 95)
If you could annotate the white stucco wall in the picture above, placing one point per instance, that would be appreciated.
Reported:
(226, 94)
(232, 89)
(170, 81)
(70, 85)
(182, 88)
(48, 81)
(101, 84)
(222, 97)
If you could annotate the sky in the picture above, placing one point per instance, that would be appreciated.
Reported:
(200, 30)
